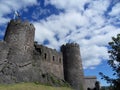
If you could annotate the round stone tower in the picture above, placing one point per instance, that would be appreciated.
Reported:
(20, 38)
(72, 63)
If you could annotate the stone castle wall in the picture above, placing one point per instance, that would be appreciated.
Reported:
(20, 38)
(73, 71)
(22, 60)
(90, 81)
(4, 49)
(49, 60)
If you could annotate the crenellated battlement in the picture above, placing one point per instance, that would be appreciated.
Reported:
(69, 45)
(30, 59)
(38, 46)
(48, 54)
(20, 23)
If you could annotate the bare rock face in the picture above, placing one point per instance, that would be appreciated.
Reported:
(23, 60)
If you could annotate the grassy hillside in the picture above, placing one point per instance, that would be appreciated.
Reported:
(31, 86)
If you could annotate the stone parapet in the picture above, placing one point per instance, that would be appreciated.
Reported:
(20, 23)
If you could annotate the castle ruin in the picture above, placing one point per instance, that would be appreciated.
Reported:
(23, 60)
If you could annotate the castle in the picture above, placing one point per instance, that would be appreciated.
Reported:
(23, 60)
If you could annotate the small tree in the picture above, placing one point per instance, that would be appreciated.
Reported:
(114, 62)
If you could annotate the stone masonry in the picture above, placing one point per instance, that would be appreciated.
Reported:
(90, 81)
(23, 60)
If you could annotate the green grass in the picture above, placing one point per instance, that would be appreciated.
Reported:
(30, 86)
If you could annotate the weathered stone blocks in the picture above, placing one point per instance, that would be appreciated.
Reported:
(22, 60)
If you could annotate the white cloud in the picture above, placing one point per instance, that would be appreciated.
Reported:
(39, 11)
(59, 26)
(102, 36)
(115, 10)
(42, 33)
(3, 20)
(93, 54)
(98, 5)
(9, 6)
(68, 4)
(87, 27)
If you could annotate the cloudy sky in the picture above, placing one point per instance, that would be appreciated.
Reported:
(90, 23)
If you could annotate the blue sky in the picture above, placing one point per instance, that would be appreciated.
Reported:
(90, 23)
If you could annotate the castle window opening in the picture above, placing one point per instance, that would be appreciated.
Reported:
(39, 50)
(53, 58)
(43, 75)
(45, 55)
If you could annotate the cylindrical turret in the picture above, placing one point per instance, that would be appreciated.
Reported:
(73, 71)
(20, 38)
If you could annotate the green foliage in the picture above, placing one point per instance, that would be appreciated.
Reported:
(58, 82)
(52, 80)
(114, 62)
(106, 88)
(81, 87)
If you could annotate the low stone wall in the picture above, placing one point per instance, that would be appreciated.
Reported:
(90, 81)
